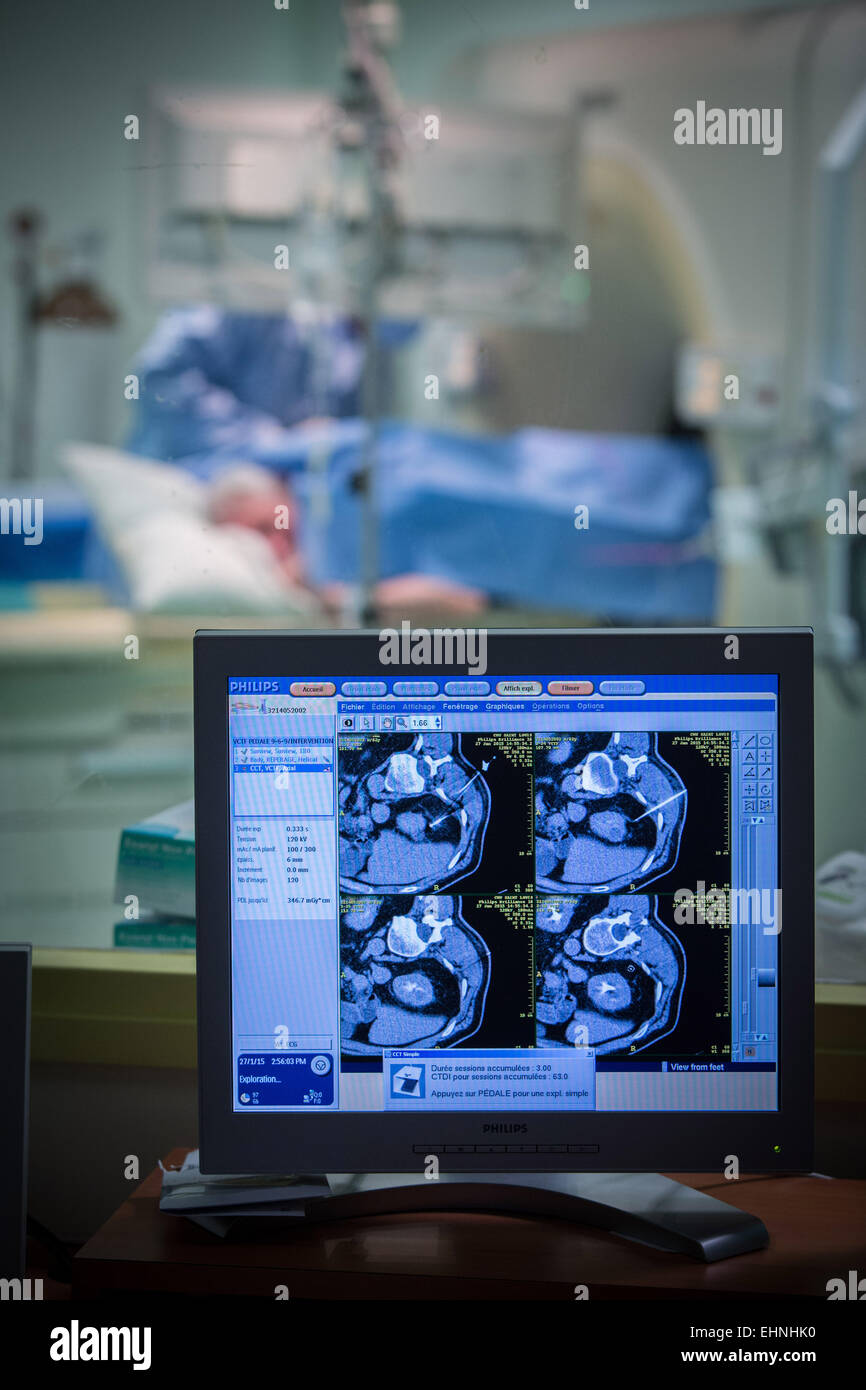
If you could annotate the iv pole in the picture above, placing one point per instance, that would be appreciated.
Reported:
(369, 99)
(25, 232)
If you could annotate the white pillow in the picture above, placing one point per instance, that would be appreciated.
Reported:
(123, 488)
(179, 564)
(153, 517)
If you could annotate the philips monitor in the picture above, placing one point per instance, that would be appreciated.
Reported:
(529, 902)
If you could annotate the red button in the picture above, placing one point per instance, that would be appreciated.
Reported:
(569, 687)
(307, 689)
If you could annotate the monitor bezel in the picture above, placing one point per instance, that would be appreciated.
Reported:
(648, 1141)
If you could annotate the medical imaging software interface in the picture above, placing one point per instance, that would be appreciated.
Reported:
(557, 893)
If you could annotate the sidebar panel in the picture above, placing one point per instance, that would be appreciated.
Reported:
(285, 949)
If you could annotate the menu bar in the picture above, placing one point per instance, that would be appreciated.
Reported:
(249, 693)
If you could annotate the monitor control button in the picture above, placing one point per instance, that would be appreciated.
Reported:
(518, 688)
(622, 688)
(467, 688)
(571, 688)
(361, 690)
(305, 690)
(415, 690)
(321, 1065)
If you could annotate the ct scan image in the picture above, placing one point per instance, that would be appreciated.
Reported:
(422, 812)
(413, 813)
(436, 970)
(609, 812)
(413, 974)
(610, 973)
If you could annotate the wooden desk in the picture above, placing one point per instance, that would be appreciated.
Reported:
(817, 1232)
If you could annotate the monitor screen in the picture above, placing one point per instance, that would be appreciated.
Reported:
(512, 894)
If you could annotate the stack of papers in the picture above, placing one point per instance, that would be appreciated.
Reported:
(218, 1201)
(156, 863)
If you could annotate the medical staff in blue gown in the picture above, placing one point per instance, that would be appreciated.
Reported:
(216, 385)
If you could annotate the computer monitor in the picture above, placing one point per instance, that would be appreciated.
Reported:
(15, 976)
(512, 899)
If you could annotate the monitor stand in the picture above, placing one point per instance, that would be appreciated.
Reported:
(643, 1207)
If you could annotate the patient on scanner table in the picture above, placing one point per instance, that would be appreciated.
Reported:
(219, 386)
(461, 515)
(250, 496)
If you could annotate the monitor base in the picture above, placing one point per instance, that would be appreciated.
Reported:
(643, 1207)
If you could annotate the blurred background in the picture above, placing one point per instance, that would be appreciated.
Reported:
(335, 314)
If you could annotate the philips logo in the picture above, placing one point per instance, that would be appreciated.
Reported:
(254, 687)
(505, 1129)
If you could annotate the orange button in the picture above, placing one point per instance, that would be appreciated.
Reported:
(569, 687)
(306, 689)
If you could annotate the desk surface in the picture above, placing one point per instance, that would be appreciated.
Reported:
(817, 1232)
